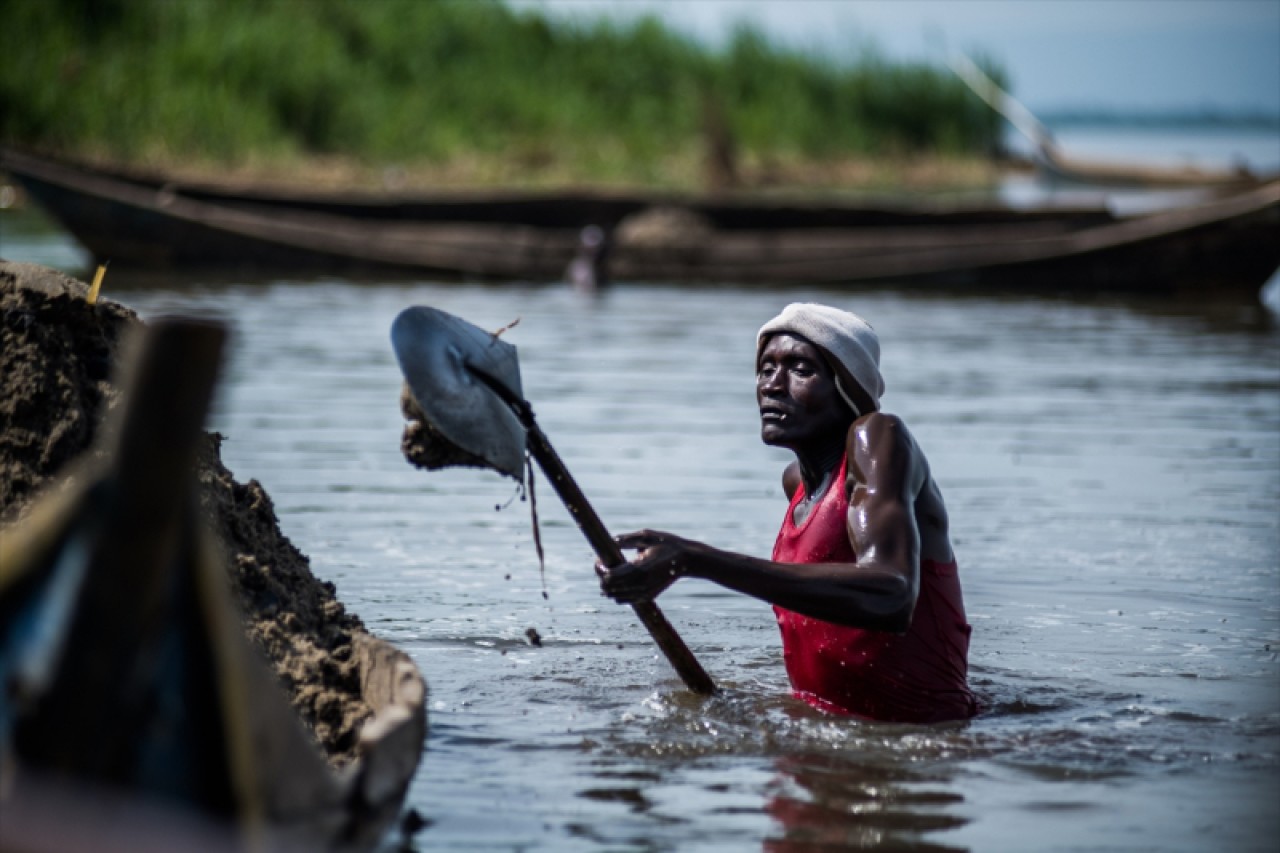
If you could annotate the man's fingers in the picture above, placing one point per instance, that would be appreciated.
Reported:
(627, 595)
(638, 539)
(619, 583)
(630, 540)
(615, 578)
(632, 582)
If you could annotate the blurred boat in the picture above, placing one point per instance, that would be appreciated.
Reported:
(1056, 167)
(135, 713)
(1227, 241)
(551, 209)
(1059, 168)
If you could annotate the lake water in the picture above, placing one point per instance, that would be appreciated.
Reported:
(1257, 149)
(1112, 468)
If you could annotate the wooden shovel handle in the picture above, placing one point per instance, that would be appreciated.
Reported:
(682, 660)
(677, 653)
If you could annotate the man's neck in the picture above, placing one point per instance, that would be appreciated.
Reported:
(818, 465)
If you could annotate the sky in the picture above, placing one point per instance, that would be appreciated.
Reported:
(1123, 55)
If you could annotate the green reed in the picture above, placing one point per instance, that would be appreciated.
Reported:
(387, 81)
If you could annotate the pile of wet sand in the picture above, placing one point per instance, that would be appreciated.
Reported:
(57, 358)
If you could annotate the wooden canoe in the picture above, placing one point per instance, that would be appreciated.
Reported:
(550, 209)
(1225, 242)
(127, 669)
(1058, 168)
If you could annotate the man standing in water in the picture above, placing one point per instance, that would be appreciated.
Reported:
(863, 579)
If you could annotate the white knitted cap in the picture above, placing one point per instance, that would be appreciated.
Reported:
(843, 336)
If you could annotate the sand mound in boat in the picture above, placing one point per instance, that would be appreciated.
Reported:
(57, 357)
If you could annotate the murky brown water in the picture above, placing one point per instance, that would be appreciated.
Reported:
(1113, 473)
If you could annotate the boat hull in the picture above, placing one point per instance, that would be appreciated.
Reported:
(1228, 242)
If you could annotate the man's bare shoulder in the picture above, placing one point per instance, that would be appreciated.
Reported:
(881, 445)
(879, 431)
(791, 479)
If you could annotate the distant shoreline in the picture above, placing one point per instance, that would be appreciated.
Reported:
(1192, 119)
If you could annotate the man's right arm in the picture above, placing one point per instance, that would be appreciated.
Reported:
(844, 593)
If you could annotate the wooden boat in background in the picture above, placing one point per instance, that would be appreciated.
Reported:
(548, 209)
(1227, 241)
(1057, 167)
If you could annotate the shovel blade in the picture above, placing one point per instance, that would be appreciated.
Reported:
(440, 355)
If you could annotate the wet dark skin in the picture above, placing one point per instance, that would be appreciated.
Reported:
(896, 514)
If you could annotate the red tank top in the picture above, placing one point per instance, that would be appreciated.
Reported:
(918, 677)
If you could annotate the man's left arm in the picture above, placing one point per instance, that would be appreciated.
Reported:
(885, 475)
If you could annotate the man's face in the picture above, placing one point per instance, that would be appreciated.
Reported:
(796, 392)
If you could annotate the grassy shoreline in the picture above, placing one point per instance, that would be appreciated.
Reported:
(795, 176)
(414, 93)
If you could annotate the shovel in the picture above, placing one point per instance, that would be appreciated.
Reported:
(466, 383)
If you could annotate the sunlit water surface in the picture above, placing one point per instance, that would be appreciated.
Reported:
(1113, 474)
